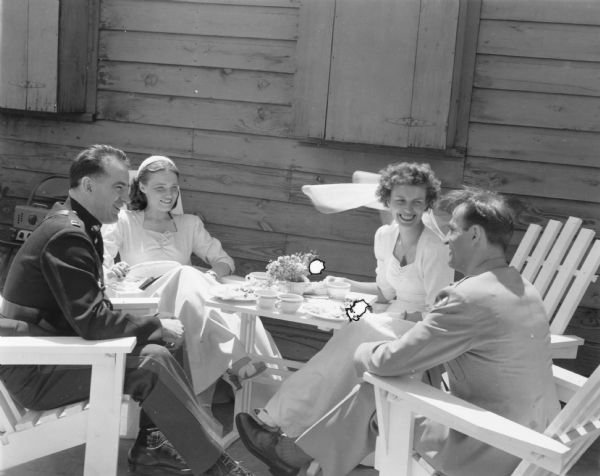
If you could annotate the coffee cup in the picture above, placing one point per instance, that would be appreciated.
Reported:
(338, 289)
(289, 303)
(265, 298)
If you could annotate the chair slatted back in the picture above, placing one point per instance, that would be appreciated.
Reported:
(10, 412)
(585, 275)
(560, 264)
(547, 267)
(577, 425)
(519, 259)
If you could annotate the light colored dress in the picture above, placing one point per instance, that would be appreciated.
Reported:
(135, 244)
(412, 287)
(211, 336)
(301, 400)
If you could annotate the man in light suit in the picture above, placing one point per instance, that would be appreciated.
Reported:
(491, 332)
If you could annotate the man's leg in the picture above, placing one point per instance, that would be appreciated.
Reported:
(338, 442)
(345, 435)
(154, 378)
(327, 377)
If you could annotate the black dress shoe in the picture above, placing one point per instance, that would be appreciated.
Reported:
(261, 442)
(158, 455)
(227, 466)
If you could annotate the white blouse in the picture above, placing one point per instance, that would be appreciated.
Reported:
(135, 244)
(412, 287)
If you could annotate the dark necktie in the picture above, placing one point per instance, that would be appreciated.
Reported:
(96, 237)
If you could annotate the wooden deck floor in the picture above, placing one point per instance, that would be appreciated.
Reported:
(70, 463)
(294, 345)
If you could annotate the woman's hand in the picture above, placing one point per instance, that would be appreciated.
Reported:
(172, 332)
(118, 271)
(219, 270)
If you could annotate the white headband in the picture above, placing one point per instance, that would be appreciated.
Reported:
(152, 159)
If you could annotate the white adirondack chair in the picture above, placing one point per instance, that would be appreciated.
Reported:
(26, 435)
(554, 451)
(561, 262)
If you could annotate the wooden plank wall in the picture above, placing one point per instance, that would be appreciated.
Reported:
(534, 130)
(211, 84)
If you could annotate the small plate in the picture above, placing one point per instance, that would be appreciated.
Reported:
(234, 292)
(327, 310)
(326, 317)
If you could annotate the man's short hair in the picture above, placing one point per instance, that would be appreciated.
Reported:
(90, 162)
(486, 208)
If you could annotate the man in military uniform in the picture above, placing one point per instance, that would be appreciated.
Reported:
(55, 287)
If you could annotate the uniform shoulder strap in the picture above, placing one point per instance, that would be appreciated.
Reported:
(75, 221)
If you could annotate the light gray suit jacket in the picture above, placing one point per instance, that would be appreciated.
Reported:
(492, 334)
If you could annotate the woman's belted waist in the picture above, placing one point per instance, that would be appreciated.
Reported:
(31, 315)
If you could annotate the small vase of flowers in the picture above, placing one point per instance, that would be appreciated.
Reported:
(291, 271)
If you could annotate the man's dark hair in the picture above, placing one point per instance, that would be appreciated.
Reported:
(485, 208)
(90, 162)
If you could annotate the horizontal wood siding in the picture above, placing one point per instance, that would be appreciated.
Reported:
(578, 12)
(246, 187)
(204, 19)
(189, 50)
(217, 85)
(184, 81)
(534, 129)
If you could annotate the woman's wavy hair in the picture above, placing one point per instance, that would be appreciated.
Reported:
(137, 198)
(405, 173)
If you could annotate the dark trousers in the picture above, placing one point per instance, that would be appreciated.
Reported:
(152, 377)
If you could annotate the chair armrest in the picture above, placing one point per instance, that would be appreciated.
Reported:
(567, 382)
(126, 303)
(473, 421)
(564, 347)
(61, 350)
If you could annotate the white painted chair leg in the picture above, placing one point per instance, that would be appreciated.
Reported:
(398, 449)
(102, 442)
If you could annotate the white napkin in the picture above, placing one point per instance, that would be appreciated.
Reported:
(339, 197)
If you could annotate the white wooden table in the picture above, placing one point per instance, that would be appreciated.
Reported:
(279, 368)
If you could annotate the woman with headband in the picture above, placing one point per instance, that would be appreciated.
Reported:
(152, 231)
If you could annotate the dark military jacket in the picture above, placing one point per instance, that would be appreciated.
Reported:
(58, 271)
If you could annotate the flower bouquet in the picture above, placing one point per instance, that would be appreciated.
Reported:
(291, 269)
